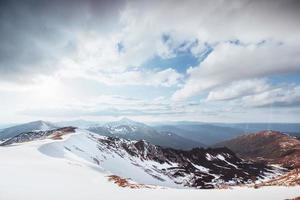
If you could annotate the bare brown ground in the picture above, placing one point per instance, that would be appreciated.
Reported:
(297, 198)
(57, 135)
(291, 178)
(122, 182)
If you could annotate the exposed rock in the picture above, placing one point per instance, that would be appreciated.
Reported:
(199, 167)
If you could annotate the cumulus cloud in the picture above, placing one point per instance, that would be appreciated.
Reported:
(231, 62)
(35, 36)
(277, 97)
(256, 93)
(249, 21)
(238, 89)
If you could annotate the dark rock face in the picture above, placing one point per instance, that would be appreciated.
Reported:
(36, 135)
(200, 168)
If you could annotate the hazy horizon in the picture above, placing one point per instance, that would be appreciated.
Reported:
(166, 122)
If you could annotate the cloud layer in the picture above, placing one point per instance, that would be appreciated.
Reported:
(59, 56)
(230, 62)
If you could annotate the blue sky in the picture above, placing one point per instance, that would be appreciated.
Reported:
(181, 62)
(150, 61)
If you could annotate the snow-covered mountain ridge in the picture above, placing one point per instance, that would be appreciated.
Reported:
(145, 163)
(200, 168)
(66, 167)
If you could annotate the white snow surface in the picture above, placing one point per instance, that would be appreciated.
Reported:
(52, 169)
(84, 146)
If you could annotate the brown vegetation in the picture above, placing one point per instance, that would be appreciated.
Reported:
(123, 182)
(291, 178)
(297, 198)
(270, 147)
(58, 133)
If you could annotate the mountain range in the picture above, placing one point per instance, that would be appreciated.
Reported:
(180, 135)
(207, 134)
(131, 130)
(136, 155)
(149, 164)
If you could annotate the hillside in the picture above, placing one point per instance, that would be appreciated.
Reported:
(267, 146)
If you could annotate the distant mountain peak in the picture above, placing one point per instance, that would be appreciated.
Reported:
(41, 122)
(125, 119)
(125, 122)
(38, 125)
(128, 121)
(80, 123)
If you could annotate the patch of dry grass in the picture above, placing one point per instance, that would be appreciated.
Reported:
(125, 183)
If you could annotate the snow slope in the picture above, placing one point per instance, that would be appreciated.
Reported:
(83, 144)
(42, 170)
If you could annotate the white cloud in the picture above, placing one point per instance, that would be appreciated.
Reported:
(48, 44)
(230, 62)
(165, 78)
(89, 37)
(214, 21)
(238, 89)
(277, 97)
(256, 93)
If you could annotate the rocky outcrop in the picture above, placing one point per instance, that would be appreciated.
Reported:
(199, 167)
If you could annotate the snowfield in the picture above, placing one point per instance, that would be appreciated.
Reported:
(42, 170)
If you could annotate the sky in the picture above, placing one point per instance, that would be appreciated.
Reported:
(209, 61)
